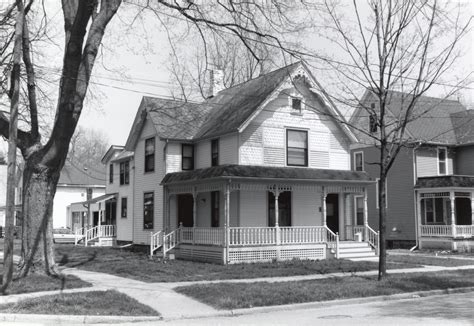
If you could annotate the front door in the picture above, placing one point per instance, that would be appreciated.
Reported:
(185, 210)
(332, 212)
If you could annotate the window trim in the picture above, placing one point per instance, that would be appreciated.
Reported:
(438, 150)
(446, 209)
(306, 149)
(111, 173)
(152, 209)
(215, 143)
(377, 193)
(122, 215)
(183, 157)
(355, 161)
(152, 169)
(355, 209)
(125, 179)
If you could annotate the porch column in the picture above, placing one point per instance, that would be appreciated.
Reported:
(366, 216)
(166, 222)
(472, 213)
(453, 215)
(227, 222)
(418, 219)
(323, 205)
(277, 222)
(100, 220)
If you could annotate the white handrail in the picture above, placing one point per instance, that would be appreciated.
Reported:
(332, 239)
(156, 241)
(78, 235)
(373, 239)
(171, 240)
(95, 232)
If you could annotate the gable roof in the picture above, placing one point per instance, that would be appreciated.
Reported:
(110, 153)
(74, 174)
(463, 125)
(225, 113)
(433, 122)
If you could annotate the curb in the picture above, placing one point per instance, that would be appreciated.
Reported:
(79, 319)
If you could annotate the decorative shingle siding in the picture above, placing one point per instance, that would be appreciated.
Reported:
(202, 151)
(229, 149)
(328, 147)
(148, 182)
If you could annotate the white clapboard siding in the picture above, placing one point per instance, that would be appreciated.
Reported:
(173, 157)
(274, 156)
(251, 155)
(427, 162)
(339, 161)
(253, 208)
(229, 149)
(319, 159)
(202, 152)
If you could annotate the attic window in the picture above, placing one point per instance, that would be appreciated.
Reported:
(150, 155)
(296, 104)
(442, 155)
(187, 162)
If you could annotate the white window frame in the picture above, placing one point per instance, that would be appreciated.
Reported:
(290, 103)
(355, 209)
(377, 193)
(446, 210)
(355, 160)
(445, 160)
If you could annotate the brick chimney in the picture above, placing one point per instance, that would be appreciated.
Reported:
(216, 82)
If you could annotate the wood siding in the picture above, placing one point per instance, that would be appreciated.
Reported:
(400, 195)
(148, 182)
(173, 157)
(465, 160)
(427, 162)
(202, 154)
(305, 208)
(263, 142)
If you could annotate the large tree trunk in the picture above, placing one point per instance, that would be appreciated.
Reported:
(39, 188)
(382, 226)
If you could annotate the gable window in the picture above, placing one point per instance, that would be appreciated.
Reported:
(187, 159)
(284, 209)
(442, 156)
(111, 173)
(123, 207)
(215, 209)
(124, 173)
(150, 155)
(359, 161)
(297, 147)
(148, 203)
(377, 193)
(296, 105)
(215, 152)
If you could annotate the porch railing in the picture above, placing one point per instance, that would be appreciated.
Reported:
(332, 240)
(296, 235)
(203, 236)
(156, 241)
(436, 231)
(241, 236)
(106, 231)
(79, 235)
(171, 240)
(465, 231)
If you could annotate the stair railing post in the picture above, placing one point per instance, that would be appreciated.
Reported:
(337, 245)
(151, 244)
(164, 244)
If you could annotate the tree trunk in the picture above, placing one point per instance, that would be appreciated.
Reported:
(382, 226)
(39, 188)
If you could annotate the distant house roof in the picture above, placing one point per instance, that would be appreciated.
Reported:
(275, 174)
(110, 153)
(463, 125)
(122, 156)
(446, 181)
(75, 174)
(433, 117)
(99, 199)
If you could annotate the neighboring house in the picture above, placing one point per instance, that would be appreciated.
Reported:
(257, 172)
(430, 187)
(3, 191)
(74, 183)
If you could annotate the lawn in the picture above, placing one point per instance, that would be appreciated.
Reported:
(432, 260)
(37, 283)
(105, 303)
(124, 263)
(247, 295)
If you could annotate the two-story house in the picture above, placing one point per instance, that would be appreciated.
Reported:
(257, 172)
(430, 187)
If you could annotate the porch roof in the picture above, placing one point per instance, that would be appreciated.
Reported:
(232, 171)
(98, 199)
(463, 181)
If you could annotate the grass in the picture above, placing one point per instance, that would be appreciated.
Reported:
(243, 295)
(432, 260)
(37, 283)
(109, 303)
(124, 263)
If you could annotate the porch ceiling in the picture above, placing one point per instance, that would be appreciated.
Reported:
(446, 181)
(265, 173)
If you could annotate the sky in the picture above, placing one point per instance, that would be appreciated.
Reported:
(133, 64)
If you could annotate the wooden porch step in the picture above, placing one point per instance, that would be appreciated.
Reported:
(356, 250)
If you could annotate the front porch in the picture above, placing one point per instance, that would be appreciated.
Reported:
(446, 212)
(226, 215)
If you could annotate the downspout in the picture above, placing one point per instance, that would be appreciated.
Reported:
(133, 201)
(415, 177)
(166, 221)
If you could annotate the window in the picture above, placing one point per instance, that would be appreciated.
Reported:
(215, 152)
(442, 155)
(111, 173)
(297, 148)
(148, 201)
(187, 162)
(359, 161)
(215, 209)
(359, 210)
(124, 173)
(377, 193)
(284, 209)
(150, 155)
(296, 105)
(435, 210)
(124, 207)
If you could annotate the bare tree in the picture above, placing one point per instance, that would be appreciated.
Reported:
(87, 147)
(397, 45)
(85, 24)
